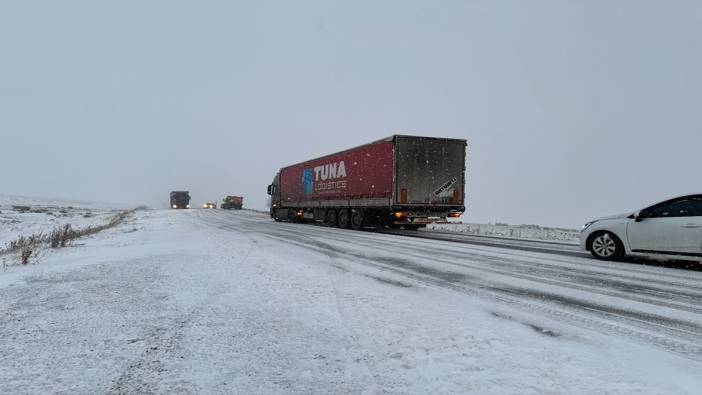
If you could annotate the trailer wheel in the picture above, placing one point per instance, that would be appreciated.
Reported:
(344, 219)
(357, 220)
(332, 217)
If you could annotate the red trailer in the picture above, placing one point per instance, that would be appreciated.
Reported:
(406, 181)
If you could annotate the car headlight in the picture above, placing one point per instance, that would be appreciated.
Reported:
(587, 225)
(174, 206)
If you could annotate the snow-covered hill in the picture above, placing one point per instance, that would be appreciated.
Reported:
(21, 215)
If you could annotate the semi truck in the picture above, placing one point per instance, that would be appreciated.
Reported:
(232, 202)
(399, 181)
(180, 199)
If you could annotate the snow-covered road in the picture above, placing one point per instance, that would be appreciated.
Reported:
(224, 301)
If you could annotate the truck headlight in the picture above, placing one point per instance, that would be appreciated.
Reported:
(174, 206)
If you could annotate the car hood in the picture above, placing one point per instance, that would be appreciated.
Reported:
(617, 216)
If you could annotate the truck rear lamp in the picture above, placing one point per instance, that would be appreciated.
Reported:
(403, 196)
(456, 198)
(455, 214)
(400, 215)
(300, 213)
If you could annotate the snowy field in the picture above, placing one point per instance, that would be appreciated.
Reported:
(528, 232)
(46, 214)
(213, 301)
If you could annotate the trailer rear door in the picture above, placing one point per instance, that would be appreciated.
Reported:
(429, 170)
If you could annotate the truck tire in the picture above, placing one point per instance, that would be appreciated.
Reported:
(332, 217)
(344, 218)
(357, 220)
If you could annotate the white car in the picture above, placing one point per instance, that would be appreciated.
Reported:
(671, 230)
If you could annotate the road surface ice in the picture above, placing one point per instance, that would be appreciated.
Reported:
(211, 301)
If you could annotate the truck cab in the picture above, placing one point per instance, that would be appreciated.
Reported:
(180, 199)
(274, 192)
(232, 202)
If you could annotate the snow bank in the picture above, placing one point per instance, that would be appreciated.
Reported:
(530, 232)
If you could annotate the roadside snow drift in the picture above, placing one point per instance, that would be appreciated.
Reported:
(528, 232)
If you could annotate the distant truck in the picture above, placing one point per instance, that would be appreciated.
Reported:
(399, 181)
(232, 202)
(180, 199)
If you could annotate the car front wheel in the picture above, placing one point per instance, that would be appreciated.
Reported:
(606, 246)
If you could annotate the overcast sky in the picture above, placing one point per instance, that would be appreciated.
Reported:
(571, 109)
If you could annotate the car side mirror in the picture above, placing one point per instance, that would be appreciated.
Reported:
(640, 216)
(270, 189)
